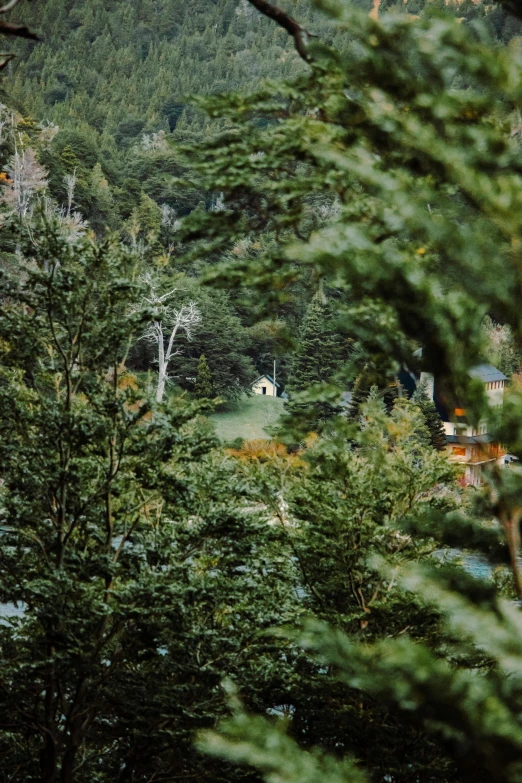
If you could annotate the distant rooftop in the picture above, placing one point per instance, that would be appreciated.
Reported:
(487, 373)
(470, 439)
(269, 378)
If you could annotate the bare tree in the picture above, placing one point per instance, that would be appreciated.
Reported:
(170, 223)
(70, 181)
(169, 217)
(48, 131)
(168, 322)
(72, 223)
(27, 178)
(218, 203)
(154, 142)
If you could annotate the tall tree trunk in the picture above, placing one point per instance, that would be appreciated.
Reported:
(67, 774)
(162, 378)
(48, 759)
(162, 366)
(49, 753)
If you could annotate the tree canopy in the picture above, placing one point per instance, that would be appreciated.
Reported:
(339, 606)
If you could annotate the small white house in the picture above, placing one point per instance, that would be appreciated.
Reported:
(266, 385)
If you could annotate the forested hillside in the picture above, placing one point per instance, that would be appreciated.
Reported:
(126, 68)
(116, 79)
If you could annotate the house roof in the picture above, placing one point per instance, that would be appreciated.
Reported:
(466, 440)
(487, 373)
(269, 378)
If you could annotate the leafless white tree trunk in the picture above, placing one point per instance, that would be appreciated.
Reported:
(168, 322)
(70, 181)
(27, 179)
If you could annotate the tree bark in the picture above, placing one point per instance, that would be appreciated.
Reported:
(48, 760)
(67, 775)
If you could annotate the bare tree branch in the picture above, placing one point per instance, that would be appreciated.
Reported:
(8, 28)
(288, 23)
(8, 6)
(167, 319)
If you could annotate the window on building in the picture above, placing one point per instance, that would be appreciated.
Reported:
(459, 451)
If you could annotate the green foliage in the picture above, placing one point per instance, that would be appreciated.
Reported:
(224, 341)
(400, 140)
(145, 222)
(203, 379)
(340, 503)
(320, 354)
(431, 417)
(320, 350)
(148, 567)
(144, 563)
(359, 498)
(358, 129)
(249, 740)
(501, 347)
(127, 542)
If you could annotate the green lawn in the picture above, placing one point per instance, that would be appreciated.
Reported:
(248, 417)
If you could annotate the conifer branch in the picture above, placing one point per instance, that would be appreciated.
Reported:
(288, 23)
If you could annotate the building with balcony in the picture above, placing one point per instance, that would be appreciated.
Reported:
(472, 447)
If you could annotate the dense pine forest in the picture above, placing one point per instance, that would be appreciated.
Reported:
(107, 94)
(195, 194)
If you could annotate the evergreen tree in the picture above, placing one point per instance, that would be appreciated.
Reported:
(102, 214)
(203, 379)
(431, 417)
(144, 224)
(502, 349)
(319, 355)
(342, 504)
(69, 159)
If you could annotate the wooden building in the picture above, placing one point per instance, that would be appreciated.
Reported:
(472, 447)
(266, 385)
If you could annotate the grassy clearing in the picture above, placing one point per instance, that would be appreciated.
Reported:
(248, 418)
